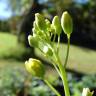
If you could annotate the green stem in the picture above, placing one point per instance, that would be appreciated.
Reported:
(63, 77)
(52, 88)
(58, 44)
(66, 59)
(54, 37)
(54, 64)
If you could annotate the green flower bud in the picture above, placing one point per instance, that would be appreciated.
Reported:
(56, 25)
(37, 32)
(47, 51)
(34, 32)
(86, 92)
(33, 41)
(67, 23)
(48, 24)
(35, 67)
(35, 26)
(40, 21)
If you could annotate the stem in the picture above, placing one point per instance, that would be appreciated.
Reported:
(54, 64)
(66, 59)
(52, 88)
(54, 37)
(63, 77)
(58, 44)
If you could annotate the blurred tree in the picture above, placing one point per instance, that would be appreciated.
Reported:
(26, 10)
(19, 6)
(4, 26)
(60, 5)
(25, 27)
(83, 16)
(84, 24)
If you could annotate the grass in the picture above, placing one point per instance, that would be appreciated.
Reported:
(10, 48)
(81, 59)
(7, 43)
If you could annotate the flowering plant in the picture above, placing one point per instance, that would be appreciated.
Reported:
(44, 34)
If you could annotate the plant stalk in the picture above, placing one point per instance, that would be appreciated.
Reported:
(64, 78)
(52, 88)
(66, 59)
(58, 44)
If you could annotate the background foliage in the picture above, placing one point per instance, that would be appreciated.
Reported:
(14, 48)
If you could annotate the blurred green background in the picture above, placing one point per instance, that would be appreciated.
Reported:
(16, 21)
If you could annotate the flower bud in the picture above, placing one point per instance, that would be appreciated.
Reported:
(66, 23)
(35, 67)
(35, 27)
(33, 41)
(48, 24)
(47, 51)
(56, 25)
(34, 32)
(40, 21)
(86, 92)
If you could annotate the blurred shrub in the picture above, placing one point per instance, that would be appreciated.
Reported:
(79, 81)
(87, 81)
(4, 26)
(15, 82)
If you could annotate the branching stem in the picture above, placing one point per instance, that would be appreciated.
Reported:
(63, 77)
